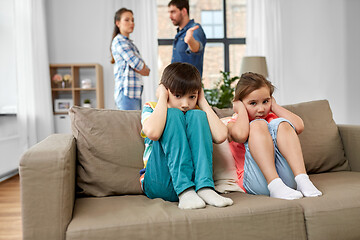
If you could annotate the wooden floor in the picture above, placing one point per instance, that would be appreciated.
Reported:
(10, 209)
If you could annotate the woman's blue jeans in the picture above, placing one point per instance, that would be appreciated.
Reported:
(126, 103)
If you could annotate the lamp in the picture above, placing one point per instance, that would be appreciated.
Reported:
(255, 64)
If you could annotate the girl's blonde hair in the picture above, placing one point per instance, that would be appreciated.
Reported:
(181, 78)
(250, 82)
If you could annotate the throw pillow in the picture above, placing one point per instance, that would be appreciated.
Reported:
(224, 170)
(109, 148)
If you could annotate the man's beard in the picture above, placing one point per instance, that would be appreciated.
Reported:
(178, 21)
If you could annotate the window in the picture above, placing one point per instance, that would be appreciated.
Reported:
(212, 23)
(224, 23)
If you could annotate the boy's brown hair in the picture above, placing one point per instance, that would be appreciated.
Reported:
(181, 78)
(250, 82)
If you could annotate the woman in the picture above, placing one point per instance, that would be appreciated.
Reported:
(129, 66)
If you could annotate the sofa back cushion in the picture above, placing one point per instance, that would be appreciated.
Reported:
(320, 141)
(109, 151)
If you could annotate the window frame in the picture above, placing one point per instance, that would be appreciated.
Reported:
(225, 41)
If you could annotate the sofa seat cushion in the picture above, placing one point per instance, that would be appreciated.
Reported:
(137, 217)
(336, 214)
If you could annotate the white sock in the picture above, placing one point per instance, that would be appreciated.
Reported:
(188, 199)
(305, 186)
(278, 189)
(214, 199)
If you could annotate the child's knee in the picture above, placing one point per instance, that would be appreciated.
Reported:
(285, 127)
(174, 112)
(195, 113)
(258, 126)
(175, 115)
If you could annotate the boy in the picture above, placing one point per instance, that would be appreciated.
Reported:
(178, 143)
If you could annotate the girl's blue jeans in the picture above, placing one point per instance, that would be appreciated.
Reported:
(254, 180)
(181, 158)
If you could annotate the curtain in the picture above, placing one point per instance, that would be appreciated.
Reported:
(35, 119)
(264, 38)
(145, 38)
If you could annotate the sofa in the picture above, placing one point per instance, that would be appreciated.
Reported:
(85, 185)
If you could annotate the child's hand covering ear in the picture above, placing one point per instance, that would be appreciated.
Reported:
(201, 99)
(238, 106)
(162, 91)
(273, 103)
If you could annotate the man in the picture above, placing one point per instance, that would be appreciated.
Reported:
(190, 40)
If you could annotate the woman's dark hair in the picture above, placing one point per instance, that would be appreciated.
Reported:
(180, 4)
(116, 31)
(181, 78)
(250, 82)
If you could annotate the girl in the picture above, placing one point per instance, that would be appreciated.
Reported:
(178, 143)
(271, 146)
(129, 66)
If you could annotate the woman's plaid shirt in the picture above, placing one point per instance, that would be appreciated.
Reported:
(127, 59)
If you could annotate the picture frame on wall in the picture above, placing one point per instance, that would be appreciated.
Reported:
(62, 105)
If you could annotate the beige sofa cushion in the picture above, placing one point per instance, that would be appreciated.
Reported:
(336, 214)
(321, 142)
(137, 217)
(110, 150)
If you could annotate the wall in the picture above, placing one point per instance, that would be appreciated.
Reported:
(8, 97)
(9, 145)
(352, 69)
(320, 47)
(9, 139)
(76, 31)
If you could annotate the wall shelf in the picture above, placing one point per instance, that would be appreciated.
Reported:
(78, 72)
(73, 93)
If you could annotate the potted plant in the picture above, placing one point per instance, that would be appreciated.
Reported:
(87, 103)
(223, 94)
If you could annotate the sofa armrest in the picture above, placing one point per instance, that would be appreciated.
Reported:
(350, 135)
(47, 178)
